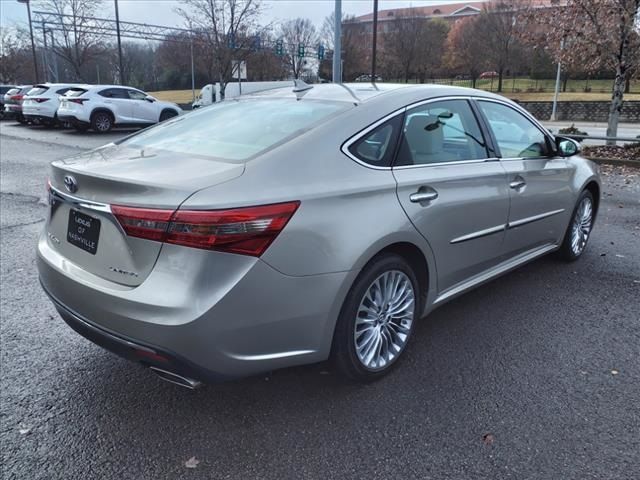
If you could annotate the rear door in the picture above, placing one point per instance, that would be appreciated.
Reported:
(539, 181)
(452, 190)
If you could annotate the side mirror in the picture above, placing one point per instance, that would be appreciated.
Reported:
(150, 99)
(567, 147)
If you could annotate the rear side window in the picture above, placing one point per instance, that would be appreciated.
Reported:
(237, 130)
(114, 93)
(75, 92)
(39, 90)
(437, 132)
(377, 147)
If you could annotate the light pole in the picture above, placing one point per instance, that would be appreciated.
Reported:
(375, 41)
(337, 44)
(33, 44)
(554, 110)
(119, 43)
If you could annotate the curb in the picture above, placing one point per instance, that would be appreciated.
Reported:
(615, 161)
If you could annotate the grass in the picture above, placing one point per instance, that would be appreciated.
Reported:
(523, 89)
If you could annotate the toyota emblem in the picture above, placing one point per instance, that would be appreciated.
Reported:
(70, 183)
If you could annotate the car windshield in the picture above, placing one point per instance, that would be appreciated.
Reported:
(37, 91)
(74, 92)
(236, 130)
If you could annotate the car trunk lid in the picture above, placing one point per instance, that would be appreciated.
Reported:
(81, 225)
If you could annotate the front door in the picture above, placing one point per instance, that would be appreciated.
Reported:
(455, 195)
(144, 111)
(539, 181)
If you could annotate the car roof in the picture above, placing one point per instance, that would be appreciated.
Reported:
(367, 92)
(95, 87)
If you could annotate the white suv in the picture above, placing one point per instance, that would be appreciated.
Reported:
(40, 104)
(102, 107)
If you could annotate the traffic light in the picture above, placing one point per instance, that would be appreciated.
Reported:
(279, 48)
(320, 52)
(300, 50)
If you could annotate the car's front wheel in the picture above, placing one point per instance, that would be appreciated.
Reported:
(577, 235)
(377, 319)
(167, 114)
(101, 122)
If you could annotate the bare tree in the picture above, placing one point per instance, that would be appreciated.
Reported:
(74, 43)
(297, 33)
(594, 34)
(354, 50)
(498, 28)
(229, 27)
(465, 53)
(414, 45)
(12, 56)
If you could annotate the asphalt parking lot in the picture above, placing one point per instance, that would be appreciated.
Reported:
(535, 375)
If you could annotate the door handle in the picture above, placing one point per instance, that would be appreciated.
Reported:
(518, 183)
(421, 196)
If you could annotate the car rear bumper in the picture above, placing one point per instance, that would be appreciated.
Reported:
(12, 108)
(72, 119)
(235, 317)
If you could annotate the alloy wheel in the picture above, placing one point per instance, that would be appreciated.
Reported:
(103, 122)
(581, 227)
(384, 319)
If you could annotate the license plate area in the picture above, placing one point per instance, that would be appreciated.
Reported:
(83, 231)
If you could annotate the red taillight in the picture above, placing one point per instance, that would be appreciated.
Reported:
(246, 231)
(16, 97)
(40, 100)
(79, 101)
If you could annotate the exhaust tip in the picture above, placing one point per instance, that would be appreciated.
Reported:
(176, 379)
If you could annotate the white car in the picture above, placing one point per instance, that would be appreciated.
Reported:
(40, 104)
(102, 107)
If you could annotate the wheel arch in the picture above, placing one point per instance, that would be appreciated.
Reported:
(102, 110)
(593, 187)
(168, 110)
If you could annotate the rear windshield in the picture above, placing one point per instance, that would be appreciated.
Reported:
(237, 129)
(39, 90)
(13, 91)
(75, 92)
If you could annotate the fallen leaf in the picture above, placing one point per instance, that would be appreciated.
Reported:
(488, 438)
(614, 372)
(619, 256)
(24, 431)
(192, 462)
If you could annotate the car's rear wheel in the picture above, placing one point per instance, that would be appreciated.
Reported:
(167, 114)
(577, 236)
(377, 319)
(101, 122)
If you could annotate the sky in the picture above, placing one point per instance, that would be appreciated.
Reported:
(161, 12)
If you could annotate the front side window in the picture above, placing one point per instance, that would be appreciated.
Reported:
(437, 132)
(237, 130)
(135, 95)
(516, 135)
(114, 93)
(378, 146)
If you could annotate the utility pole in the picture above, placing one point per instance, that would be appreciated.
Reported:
(33, 44)
(375, 41)
(337, 42)
(557, 92)
(119, 43)
(45, 63)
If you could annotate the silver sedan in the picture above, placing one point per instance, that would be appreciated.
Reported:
(297, 225)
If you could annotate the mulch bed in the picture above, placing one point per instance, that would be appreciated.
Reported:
(626, 152)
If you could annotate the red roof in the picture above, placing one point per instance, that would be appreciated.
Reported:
(430, 11)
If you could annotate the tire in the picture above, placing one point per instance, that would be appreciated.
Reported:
(579, 229)
(364, 332)
(21, 120)
(101, 122)
(167, 114)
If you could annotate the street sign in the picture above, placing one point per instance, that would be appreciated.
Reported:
(243, 69)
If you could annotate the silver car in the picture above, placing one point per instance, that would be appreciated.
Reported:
(293, 226)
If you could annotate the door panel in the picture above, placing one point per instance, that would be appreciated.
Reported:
(143, 110)
(455, 196)
(540, 192)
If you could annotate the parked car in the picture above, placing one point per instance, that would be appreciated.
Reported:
(489, 75)
(13, 102)
(102, 107)
(367, 78)
(210, 93)
(3, 90)
(288, 227)
(40, 104)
